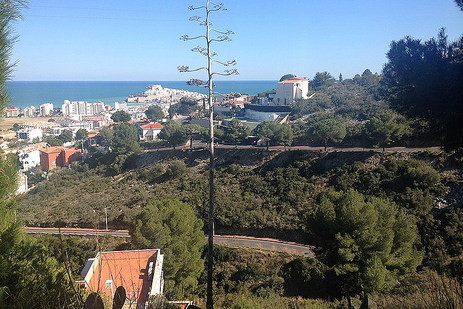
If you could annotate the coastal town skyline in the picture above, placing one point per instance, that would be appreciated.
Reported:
(139, 41)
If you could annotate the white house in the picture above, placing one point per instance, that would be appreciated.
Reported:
(139, 272)
(12, 111)
(29, 155)
(150, 131)
(291, 90)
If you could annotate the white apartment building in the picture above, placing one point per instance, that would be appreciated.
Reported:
(291, 90)
(82, 108)
(30, 134)
(97, 108)
(46, 109)
(29, 111)
(120, 106)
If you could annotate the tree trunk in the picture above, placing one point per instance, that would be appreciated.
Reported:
(210, 217)
(349, 302)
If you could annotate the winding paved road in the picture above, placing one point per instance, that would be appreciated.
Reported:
(77, 232)
(268, 244)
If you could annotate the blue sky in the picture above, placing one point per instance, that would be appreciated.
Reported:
(139, 39)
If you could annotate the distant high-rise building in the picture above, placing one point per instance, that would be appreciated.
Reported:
(82, 108)
(29, 111)
(120, 106)
(97, 108)
(46, 109)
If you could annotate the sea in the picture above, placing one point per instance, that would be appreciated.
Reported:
(26, 93)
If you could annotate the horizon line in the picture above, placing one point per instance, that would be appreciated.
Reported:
(239, 80)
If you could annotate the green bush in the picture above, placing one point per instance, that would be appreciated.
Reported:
(176, 169)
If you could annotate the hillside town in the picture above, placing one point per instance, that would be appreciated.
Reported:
(340, 191)
(31, 139)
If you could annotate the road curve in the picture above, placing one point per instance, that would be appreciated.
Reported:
(77, 232)
(268, 244)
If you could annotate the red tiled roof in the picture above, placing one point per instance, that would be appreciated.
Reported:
(94, 118)
(51, 149)
(58, 149)
(125, 268)
(293, 80)
(236, 102)
(152, 126)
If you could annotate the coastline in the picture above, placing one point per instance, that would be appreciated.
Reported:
(35, 93)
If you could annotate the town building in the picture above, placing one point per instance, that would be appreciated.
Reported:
(29, 111)
(30, 134)
(120, 106)
(22, 183)
(229, 107)
(12, 111)
(51, 157)
(82, 108)
(159, 94)
(69, 124)
(291, 90)
(29, 155)
(97, 108)
(96, 121)
(266, 112)
(150, 131)
(46, 110)
(46, 126)
(139, 272)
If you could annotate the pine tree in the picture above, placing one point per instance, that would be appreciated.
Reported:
(368, 243)
(173, 227)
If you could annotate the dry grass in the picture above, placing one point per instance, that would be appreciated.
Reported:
(432, 292)
(7, 123)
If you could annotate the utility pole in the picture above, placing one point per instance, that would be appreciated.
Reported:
(106, 217)
(221, 36)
